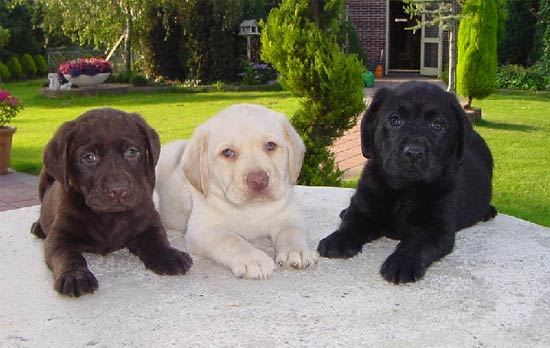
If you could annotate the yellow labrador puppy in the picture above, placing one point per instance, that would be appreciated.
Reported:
(233, 183)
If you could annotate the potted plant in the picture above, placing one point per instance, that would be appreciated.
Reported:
(9, 107)
(86, 72)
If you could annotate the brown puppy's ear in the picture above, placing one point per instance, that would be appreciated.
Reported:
(368, 123)
(464, 125)
(57, 153)
(195, 161)
(296, 150)
(153, 145)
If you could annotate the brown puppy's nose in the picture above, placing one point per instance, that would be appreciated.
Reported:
(257, 181)
(118, 192)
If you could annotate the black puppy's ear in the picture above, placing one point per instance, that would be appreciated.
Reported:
(368, 123)
(57, 161)
(153, 145)
(465, 128)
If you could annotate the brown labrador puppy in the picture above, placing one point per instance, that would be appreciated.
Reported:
(96, 192)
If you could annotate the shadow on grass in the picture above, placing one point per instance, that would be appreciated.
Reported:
(505, 126)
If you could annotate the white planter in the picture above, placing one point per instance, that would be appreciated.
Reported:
(87, 80)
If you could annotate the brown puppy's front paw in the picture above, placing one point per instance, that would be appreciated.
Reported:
(76, 283)
(170, 261)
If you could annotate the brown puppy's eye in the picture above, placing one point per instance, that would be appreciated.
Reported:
(270, 146)
(89, 158)
(395, 121)
(131, 153)
(228, 153)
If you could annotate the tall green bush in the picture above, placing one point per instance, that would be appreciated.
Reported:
(41, 65)
(14, 67)
(312, 66)
(477, 49)
(4, 72)
(27, 66)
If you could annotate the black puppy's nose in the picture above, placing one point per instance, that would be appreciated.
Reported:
(414, 152)
(257, 181)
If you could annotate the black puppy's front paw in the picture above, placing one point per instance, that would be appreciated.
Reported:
(402, 268)
(76, 283)
(338, 245)
(170, 261)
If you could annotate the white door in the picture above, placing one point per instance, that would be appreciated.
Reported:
(430, 51)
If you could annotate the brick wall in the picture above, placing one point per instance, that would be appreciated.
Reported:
(369, 18)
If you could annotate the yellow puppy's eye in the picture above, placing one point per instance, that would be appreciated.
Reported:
(228, 153)
(270, 146)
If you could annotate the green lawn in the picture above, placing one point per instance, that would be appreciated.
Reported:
(515, 125)
(517, 128)
(173, 114)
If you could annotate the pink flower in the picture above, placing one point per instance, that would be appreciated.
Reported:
(4, 95)
(12, 101)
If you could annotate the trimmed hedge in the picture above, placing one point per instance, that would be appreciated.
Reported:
(41, 65)
(4, 72)
(15, 68)
(27, 66)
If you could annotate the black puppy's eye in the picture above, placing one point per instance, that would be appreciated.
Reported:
(437, 124)
(131, 152)
(270, 146)
(228, 153)
(89, 158)
(395, 121)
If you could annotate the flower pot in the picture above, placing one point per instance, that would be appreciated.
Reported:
(87, 80)
(6, 134)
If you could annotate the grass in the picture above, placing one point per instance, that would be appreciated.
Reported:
(515, 125)
(517, 128)
(173, 114)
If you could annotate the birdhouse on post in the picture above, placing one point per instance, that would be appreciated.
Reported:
(249, 29)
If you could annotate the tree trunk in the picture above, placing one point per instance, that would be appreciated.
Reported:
(452, 49)
(128, 40)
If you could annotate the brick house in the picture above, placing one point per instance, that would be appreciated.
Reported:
(380, 26)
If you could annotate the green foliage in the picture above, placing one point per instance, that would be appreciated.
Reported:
(210, 39)
(23, 21)
(4, 36)
(541, 49)
(162, 43)
(257, 74)
(519, 27)
(4, 73)
(312, 66)
(138, 80)
(27, 66)
(477, 49)
(41, 65)
(14, 66)
(518, 77)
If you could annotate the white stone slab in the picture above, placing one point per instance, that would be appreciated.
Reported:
(492, 291)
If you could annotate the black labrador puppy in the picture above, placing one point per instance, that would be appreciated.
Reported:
(428, 175)
(96, 191)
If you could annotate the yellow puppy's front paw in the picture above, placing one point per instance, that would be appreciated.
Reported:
(254, 265)
(298, 259)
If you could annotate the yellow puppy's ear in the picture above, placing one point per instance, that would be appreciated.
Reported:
(195, 161)
(296, 150)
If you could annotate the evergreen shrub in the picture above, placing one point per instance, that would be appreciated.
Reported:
(14, 66)
(27, 66)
